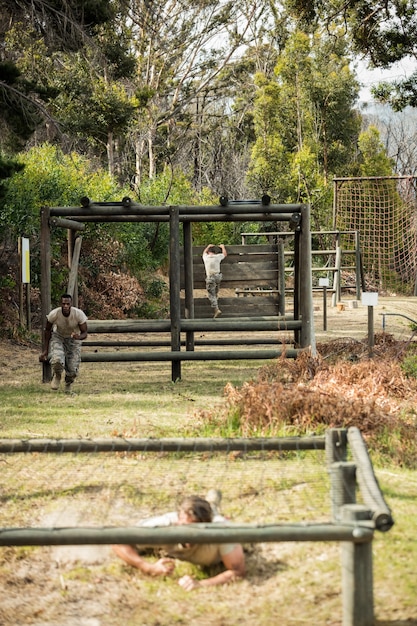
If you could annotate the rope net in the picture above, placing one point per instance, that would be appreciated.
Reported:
(120, 489)
(383, 211)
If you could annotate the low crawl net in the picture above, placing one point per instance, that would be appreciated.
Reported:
(102, 489)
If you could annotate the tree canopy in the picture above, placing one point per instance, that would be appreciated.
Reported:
(382, 32)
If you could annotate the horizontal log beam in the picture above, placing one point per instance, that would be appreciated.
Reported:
(241, 272)
(188, 533)
(229, 312)
(221, 217)
(133, 209)
(232, 307)
(248, 341)
(70, 224)
(199, 444)
(368, 483)
(235, 324)
(206, 355)
(240, 250)
(235, 283)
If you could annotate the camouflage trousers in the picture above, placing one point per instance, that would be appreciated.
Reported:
(213, 286)
(65, 355)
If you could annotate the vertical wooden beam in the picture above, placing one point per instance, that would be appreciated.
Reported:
(188, 280)
(358, 265)
(307, 337)
(28, 316)
(336, 280)
(296, 296)
(335, 203)
(336, 445)
(342, 487)
(45, 282)
(71, 243)
(281, 276)
(174, 289)
(357, 573)
(73, 277)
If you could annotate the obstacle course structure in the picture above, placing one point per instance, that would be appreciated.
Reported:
(182, 317)
(355, 506)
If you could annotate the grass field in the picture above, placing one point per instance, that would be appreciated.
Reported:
(288, 584)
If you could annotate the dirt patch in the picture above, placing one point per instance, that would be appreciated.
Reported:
(392, 315)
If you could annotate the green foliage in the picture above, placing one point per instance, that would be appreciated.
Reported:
(93, 109)
(7, 282)
(146, 245)
(31, 43)
(381, 32)
(409, 366)
(18, 113)
(8, 167)
(218, 232)
(300, 142)
(155, 305)
(385, 31)
(50, 178)
(398, 94)
(118, 51)
(156, 287)
(171, 187)
(375, 161)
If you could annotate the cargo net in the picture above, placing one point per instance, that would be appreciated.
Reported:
(120, 489)
(384, 212)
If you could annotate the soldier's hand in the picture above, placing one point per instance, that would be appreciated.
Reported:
(189, 583)
(162, 567)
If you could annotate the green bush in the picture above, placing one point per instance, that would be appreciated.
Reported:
(409, 366)
(51, 178)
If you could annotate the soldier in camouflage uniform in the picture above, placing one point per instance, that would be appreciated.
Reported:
(66, 327)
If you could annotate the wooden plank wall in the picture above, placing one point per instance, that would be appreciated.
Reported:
(250, 271)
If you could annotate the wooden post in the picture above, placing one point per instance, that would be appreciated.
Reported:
(336, 445)
(45, 283)
(358, 265)
(324, 282)
(28, 320)
(73, 277)
(72, 287)
(296, 295)
(188, 280)
(174, 290)
(342, 487)
(371, 334)
(357, 573)
(336, 280)
(281, 277)
(307, 338)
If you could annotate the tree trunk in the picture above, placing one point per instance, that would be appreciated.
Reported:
(110, 153)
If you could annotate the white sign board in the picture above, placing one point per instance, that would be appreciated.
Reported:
(323, 282)
(369, 298)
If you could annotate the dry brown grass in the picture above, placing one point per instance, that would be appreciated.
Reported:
(339, 388)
